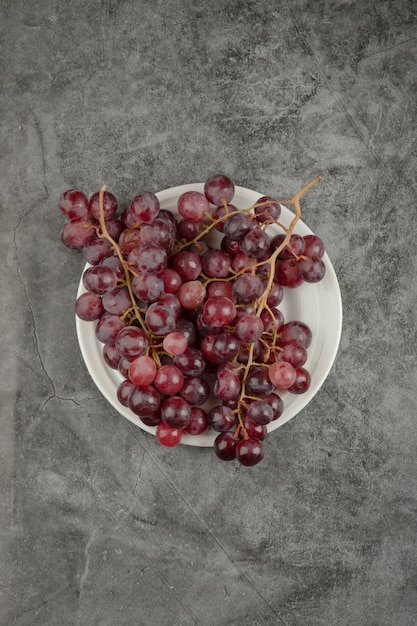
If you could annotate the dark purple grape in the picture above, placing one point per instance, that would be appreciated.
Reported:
(198, 423)
(108, 327)
(192, 206)
(216, 263)
(89, 306)
(171, 279)
(147, 287)
(207, 348)
(242, 262)
(226, 346)
(237, 226)
(219, 188)
(295, 247)
(161, 319)
(111, 355)
(73, 203)
(77, 232)
(144, 401)
(109, 205)
(293, 353)
(191, 362)
(187, 264)
(187, 328)
(275, 294)
(302, 381)
(117, 301)
(128, 240)
(231, 246)
(256, 244)
(116, 265)
(227, 383)
(144, 207)
(219, 311)
(220, 288)
(124, 391)
(312, 270)
(169, 379)
(151, 420)
(260, 412)
(271, 319)
(176, 412)
(114, 228)
(225, 446)
(151, 258)
(123, 366)
(296, 331)
(243, 355)
(171, 300)
(257, 382)
(99, 279)
(131, 342)
(276, 403)
(269, 209)
(221, 418)
(96, 250)
(160, 232)
(189, 230)
(257, 431)
(314, 246)
(195, 390)
(250, 451)
(287, 273)
(249, 328)
(247, 288)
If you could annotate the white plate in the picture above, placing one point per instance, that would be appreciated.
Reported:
(318, 305)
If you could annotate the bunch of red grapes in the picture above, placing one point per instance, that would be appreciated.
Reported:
(185, 322)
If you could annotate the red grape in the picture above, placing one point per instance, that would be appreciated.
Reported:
(167, 435)
(219, 311)
(198, 423)
(142, 370)
(192, 205)
(77, 232)
(109, 205)
(250, 451)
(144, 207)
(176, 412)
(169, 379)
(225, 446)
(218, 189)
(191, 294)
(73, 203)
(89, 306)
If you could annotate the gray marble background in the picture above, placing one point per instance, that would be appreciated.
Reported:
(98, 524)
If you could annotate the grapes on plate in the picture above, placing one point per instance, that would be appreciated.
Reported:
(194, 328)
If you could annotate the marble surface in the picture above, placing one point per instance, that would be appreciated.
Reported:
(99, 524)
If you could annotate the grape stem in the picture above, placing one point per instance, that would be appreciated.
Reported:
(262, 301)
(127, 270)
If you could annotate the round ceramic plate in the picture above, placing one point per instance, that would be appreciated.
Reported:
(318, 305)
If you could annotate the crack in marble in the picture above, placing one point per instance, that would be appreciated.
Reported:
(33, 322)
(208, 530)
(121, 525)
(84, 576)
(218, 542)
(388, 48)
(41, 142)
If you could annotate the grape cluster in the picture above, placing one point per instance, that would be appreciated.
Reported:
(183, 321)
